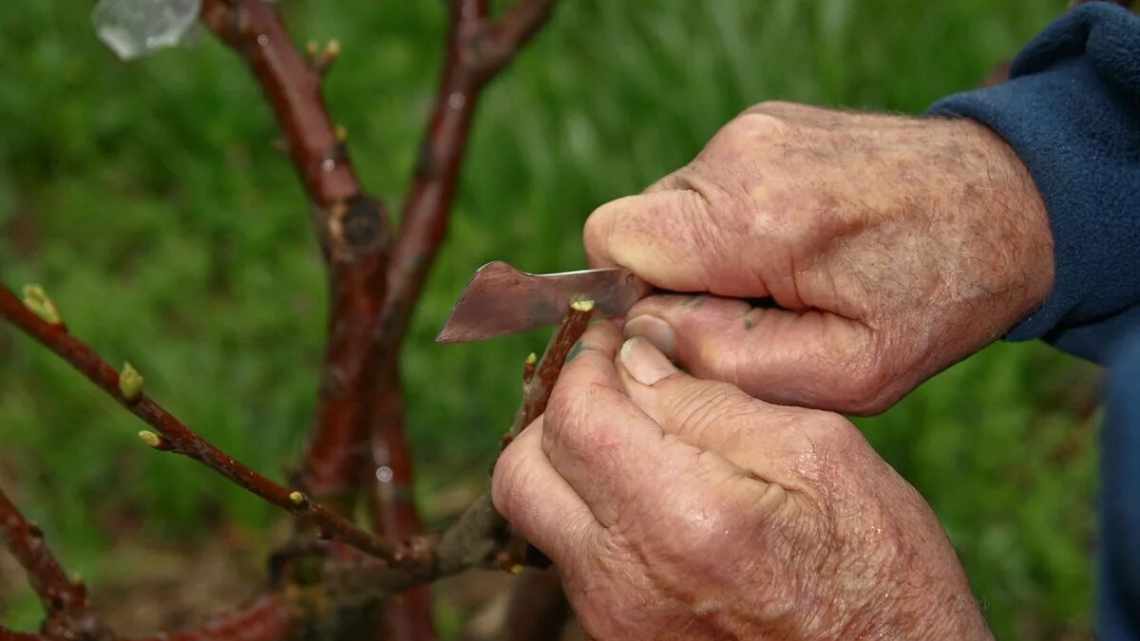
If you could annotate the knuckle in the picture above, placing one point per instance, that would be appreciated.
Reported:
(774, 107)
(597, 231)
(859, 378)
(833, 435)
(571, 423)
(870, 388)
(508, 481)
(700, 406)
(764, 121)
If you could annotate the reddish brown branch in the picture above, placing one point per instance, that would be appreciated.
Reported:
(64, 601)
(269, 618)
(388, 476)
(352, 225)
(537, 387)
(26, 541)
(477, 50)
(536, 390)
(180, 439)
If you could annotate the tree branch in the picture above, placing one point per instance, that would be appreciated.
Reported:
(178, 438)
(477, 50)
(388, 475)
(353, 228)
(47, 578)
(269, 618)
(538, 385)
(65, 604)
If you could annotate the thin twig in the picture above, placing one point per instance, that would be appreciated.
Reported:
(178, 438)
(537, 387)
(536, 390)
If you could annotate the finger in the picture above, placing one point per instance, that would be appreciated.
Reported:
(812, 359)
(766, 440)
(669, 238)
(610, 453)
(539, 503)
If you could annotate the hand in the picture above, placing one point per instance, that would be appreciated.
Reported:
(893, 246)
(677, 508)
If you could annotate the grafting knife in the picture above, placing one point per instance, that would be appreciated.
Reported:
(503, 300)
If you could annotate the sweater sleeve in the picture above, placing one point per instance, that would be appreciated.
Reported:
(1071, 111)
(1118, 617)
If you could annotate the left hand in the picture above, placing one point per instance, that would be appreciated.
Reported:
(893, 246)
(677, 508)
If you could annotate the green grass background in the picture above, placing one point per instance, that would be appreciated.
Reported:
(149, 200)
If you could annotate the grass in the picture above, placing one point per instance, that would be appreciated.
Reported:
(150, 202)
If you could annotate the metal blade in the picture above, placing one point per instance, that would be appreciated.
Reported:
(503, 300)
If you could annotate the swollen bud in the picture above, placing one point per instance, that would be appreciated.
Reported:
(37, 300)
(130, 383)
(298, 498)
(150, 438)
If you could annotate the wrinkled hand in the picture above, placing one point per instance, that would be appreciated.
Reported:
(893, 246)
(677, 508)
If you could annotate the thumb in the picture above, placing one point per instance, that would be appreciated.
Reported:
(671, 239)
(812, 358)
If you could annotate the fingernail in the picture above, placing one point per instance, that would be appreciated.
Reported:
(654, 330)
(645, 362)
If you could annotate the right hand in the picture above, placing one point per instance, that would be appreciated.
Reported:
(894, 247)
(682, 509)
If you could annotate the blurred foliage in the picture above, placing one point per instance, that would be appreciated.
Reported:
(150, 202)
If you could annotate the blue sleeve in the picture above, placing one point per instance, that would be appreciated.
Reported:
(1071, 111)
(1119, 596)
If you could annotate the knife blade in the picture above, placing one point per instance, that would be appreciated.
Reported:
(501, 299)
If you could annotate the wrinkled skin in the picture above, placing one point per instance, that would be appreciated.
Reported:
(682, 508)
(678, 508)
(892, 246)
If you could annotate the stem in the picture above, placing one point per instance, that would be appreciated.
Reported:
(268, 618)
(180, 439)
(352, 226)
(26, 541)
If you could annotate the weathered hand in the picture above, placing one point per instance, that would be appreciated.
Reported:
(677, 508)
(893, 246)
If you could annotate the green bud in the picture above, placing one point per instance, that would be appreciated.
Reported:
(150, 438)
(130, 383)
(37, 300)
